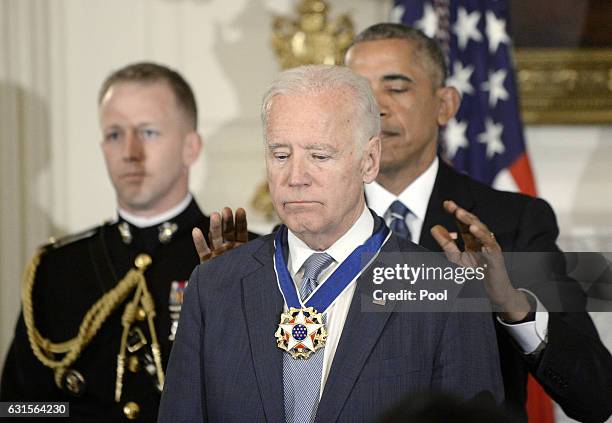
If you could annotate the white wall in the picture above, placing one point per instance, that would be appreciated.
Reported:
(573, 166)
(573, 169)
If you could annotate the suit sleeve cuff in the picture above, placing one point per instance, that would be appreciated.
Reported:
(529, 335)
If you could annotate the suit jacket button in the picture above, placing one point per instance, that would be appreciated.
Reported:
(131, 410)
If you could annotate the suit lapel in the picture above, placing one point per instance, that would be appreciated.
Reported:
(263, 304)
(359, 336)
(449, 185)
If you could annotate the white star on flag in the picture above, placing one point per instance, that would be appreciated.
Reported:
(466, 27)
(429, 22)
(300, 319)
(495, 86)
(492, 138)
(496, 32)
(460, 78)
(454, 134)
(397, 13)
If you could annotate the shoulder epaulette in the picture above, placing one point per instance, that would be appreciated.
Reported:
(55, 243)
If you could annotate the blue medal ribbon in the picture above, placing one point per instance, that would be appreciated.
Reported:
(326, 293)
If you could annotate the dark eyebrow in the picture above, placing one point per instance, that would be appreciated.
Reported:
(396, 77)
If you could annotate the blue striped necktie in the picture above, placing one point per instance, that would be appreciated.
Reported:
(302, 378)
(398, 212)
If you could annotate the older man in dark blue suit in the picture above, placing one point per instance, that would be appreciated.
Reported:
(277, 330)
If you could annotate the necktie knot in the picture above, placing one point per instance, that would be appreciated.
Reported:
(313, 266)
(398, 212)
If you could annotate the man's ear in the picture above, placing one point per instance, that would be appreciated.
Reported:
(370, 163)
(192, 145)
(450, 100)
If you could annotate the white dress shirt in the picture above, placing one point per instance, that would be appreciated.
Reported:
(415, 196)
(339, 251)
(529, 335)
(146, 222)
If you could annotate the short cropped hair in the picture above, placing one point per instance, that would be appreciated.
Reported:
(427, 47)
(315, 79)
(148, 72)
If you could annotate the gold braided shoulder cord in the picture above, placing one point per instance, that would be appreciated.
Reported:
(144, 298)
(43, 348)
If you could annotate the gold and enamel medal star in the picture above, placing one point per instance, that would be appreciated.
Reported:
(301, 332)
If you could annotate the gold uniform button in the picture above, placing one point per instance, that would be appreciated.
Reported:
(74, 382)
(131, 410)
(141, 314)
(143, 261)
(133, 364)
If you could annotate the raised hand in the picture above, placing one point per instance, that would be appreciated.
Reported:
(224, 234)
(482, 249)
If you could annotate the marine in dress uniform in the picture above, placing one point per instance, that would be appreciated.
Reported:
(100, 308)
(72, 275)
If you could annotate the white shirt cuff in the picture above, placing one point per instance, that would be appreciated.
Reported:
(529, 335)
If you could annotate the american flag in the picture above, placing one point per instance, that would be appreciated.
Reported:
(485, 139)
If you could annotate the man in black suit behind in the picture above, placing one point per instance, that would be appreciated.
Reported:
(406, 70)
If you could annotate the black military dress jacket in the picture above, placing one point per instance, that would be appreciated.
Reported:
(75, 273)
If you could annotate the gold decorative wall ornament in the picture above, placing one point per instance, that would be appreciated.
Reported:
(565, 86)
(311, 38)
(262, 201)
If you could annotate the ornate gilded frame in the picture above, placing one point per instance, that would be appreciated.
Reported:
(565, 86)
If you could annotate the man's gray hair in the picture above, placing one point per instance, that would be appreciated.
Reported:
(315, 79)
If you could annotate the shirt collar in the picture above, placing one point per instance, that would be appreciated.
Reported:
(145, 222)
(415, 196)
(358, 234)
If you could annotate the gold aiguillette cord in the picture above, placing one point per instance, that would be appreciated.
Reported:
(44, 349)
(142, 296)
